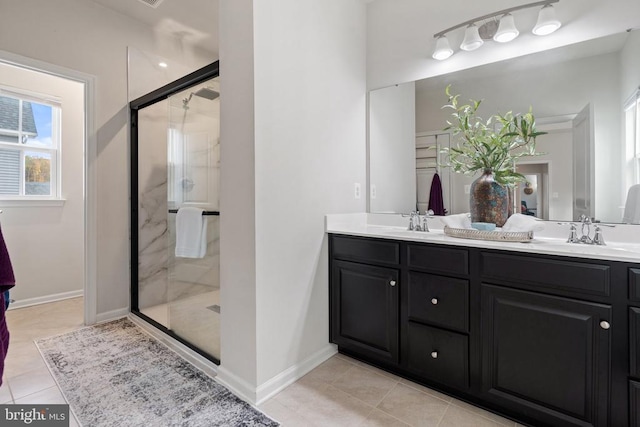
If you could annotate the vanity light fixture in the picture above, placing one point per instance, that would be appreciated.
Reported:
(472, 39)
(547, 21)
(498, 26)
(507, 30)
(443, 50)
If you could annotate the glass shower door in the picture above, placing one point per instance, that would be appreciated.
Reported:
(193, 174)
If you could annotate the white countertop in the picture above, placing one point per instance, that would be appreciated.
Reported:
(547, 242)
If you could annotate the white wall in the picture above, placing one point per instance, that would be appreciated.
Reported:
(238, 312)
(562, 89)
(46, 244)
(84, 36)
(392, 148)
(293, 145)
(310, 109)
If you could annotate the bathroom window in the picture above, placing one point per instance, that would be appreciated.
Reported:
(29, 146)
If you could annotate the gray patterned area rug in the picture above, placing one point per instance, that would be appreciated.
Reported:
(114, 375)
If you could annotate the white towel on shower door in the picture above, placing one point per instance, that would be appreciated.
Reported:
(191, 233)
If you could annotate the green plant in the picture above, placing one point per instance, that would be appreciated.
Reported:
(481, 146)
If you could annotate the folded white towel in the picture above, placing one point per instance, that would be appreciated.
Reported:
(519, 222)
(191, 233)
(462, 220)
(632, 206)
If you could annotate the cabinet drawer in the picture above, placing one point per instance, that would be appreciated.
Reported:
(442, 301)
(634, 284)
(366, 250)
(438, 355)
(567, 277)
(438, 259)
(634, 341)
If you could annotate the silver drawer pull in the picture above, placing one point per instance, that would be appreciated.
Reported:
(434, 354)
(434, 301)
(605, 325)
(392, 283)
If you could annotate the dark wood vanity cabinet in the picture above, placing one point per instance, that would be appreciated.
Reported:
(546, 356)
(544, 340)
(364, 297)
(366, 316)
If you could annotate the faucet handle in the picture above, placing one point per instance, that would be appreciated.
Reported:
(573, 234)
(598, 239)
(425, 226)
(412, 214)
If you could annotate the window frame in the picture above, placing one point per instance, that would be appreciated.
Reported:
(55, 151)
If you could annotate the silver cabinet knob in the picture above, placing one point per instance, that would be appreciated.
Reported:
(434, 301)
(392, 283)
(434, 354)
(605, 325)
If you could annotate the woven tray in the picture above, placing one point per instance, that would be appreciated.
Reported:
(498, 236)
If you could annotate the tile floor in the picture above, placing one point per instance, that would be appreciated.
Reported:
(345, 392)
(340, 392)
(26, 377)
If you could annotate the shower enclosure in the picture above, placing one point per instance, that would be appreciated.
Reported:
(175, 164)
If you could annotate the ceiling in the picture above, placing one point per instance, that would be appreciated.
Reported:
(193, 21)
(400, 33)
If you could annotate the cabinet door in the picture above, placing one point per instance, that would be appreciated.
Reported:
(546, 356)
(634, 404)
(364, 309)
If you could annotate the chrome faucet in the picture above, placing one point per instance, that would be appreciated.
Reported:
(585, 233)
(422, 224)
(586, 225)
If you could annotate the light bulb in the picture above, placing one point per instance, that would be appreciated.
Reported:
(472, 39)
(507, 30)
(547, 22)
(443, 50)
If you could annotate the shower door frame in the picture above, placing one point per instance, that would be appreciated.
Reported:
(199, 76)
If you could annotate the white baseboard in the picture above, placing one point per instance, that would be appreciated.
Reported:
(111, 315)
(294, 373)
(237, 385)
(258, 395)
(22, 303)
(199, 361)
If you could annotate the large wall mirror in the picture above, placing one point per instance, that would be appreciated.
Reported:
(578, 94)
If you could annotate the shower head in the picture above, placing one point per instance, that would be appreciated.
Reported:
(205, 92)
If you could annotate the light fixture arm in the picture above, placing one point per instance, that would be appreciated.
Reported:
(491, 15)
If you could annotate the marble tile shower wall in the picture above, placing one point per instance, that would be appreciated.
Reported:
(163, 277)
(153, 238)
